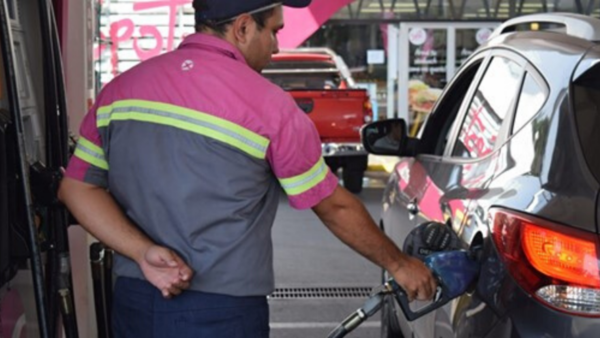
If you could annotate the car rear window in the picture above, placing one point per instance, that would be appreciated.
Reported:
(586, 103)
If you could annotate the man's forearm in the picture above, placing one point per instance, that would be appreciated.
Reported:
(347, 219)
(97, 212)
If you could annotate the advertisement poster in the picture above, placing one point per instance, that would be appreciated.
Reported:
(428, 65)
(427, 72)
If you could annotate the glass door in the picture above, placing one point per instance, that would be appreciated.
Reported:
(429, 53)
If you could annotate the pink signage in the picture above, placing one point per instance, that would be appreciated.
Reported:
(123, 30)
(301, 23)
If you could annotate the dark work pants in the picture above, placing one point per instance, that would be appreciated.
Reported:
(140, 311)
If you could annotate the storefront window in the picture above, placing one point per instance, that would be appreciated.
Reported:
(427, 72)
(410, 10)
(468, 40)
(353, 43)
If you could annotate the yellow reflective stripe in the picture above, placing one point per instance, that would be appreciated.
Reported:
(91, 153)
(186, 119)
(304, 182)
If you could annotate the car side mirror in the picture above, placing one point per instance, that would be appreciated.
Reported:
(387, 137)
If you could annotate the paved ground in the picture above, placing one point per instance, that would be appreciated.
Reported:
(309, 258)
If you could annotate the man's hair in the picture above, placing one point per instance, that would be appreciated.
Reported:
(260, 18)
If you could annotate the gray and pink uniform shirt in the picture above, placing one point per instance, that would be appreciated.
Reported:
(195, 146)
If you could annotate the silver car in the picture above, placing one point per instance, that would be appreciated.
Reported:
(509, 159)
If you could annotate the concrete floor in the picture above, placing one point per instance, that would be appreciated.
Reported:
(308, 255)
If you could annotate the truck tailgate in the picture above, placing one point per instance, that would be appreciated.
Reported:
(338, 114)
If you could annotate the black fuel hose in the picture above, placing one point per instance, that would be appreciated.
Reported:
(37, 266)
(371, 306)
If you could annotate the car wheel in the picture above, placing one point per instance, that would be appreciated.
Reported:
(390, 327)
(333, 164)
(353, 180)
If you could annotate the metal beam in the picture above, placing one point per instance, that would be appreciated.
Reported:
(360, 3)
(545, 6)
(349, 6)
(381, 6)
(520, 9)
(427, 8)
(590, 7)
(462, 9)
(486, 5)
(417, 9)
(452, 12)
(512, 6)
(579, 6)
(496, 8)
(393, 4)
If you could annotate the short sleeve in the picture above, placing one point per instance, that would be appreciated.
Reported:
(296, 159)
(88, 163)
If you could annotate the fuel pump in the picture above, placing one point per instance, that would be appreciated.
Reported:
(59, 279)
(42, 221)
(440, 249)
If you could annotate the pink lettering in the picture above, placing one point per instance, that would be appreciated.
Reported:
(146, 54)
(173, 6)
(123, 30)
(116, 38)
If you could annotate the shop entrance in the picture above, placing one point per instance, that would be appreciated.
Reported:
(427, 55)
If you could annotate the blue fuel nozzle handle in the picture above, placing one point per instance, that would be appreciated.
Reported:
(455, 272)
(401, 296)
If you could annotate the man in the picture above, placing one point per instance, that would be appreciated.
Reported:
(179, 167)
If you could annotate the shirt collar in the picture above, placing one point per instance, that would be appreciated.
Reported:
(214, 44)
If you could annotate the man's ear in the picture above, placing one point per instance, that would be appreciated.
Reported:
(242, 27)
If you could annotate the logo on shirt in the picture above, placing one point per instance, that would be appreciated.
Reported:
(187, 65)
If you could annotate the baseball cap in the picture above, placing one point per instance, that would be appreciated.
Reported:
(220, 11)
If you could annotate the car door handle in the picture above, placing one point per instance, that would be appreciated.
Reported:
(413, 208)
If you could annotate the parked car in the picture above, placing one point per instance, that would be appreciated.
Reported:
(321, 84)
(509, 160)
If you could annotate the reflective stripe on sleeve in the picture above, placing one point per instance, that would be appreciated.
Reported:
(91, 153)
(185, 119)
(304, 182)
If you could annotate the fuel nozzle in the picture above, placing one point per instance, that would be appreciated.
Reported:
(440, 248)
(455, 272)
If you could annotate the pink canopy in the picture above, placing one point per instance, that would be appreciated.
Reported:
(301, 23)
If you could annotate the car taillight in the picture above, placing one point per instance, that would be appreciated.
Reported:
(564, 257)
(556, 264)
(368, 110)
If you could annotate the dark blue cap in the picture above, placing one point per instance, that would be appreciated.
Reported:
(219, 11)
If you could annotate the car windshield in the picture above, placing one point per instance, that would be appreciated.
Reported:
(304, 74)
(318, 81)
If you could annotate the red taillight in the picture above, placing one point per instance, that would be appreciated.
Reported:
(367, 110)
(557, 264)
(567, 258)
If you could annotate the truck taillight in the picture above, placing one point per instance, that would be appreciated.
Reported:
(368, 110)
(557, 265)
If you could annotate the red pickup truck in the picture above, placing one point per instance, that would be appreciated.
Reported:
(321, 84)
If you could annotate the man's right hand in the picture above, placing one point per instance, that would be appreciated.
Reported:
(416, 279)
(164, 269)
